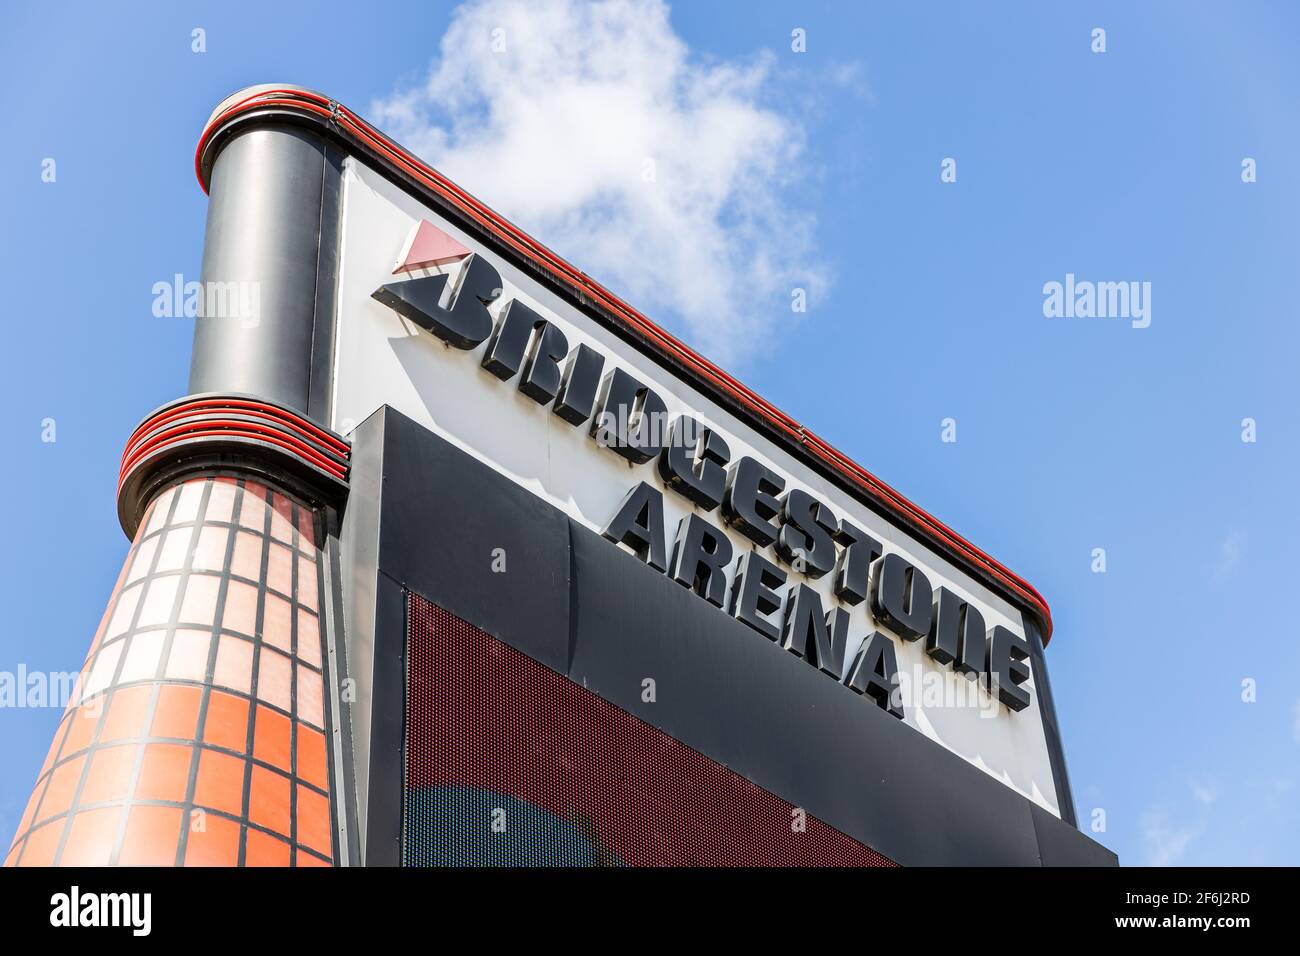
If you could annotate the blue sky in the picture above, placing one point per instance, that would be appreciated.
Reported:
(1073, 434)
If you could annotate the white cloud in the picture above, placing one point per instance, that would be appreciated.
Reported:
(1231, 550)
(662, 175)
(1165, 840)
(1203, 793)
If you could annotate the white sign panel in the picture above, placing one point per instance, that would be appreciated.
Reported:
(386, 358)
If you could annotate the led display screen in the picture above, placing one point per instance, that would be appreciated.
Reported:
(509, 763)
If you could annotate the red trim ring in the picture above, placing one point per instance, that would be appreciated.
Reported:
(223, 428)
(514, 238)
(307, 428)
(175, 424)
(255, 409)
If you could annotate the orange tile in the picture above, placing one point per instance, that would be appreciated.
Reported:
(143, 655)
(120, 622)
(191, 496)
(281, 518)
(165, 773)
(100, 674)
(226, 724)
(221, 500)
(306, 529)
(142, 560)
(277, 629)
(309, 637)
(279, 569)
(313, 820)
(214, 843)
(252, 510)
(268, 800)
(307, 595)
(127, 712)
(81, 729)
(247, 558)
(274, 675)
(234, 667)
(175, 549)
(303, 858)
(41, 845)
(271, 739)
(311, 690)
(264, 850)
(240, 610)
(62, 788)
(90, 841)
(151, 837)
(313, 765)
(199, 606)
(159, 600)
(210, 552)
(110, 774)
(188, 659)
(158, 511)
(177, 713)
(220, 784)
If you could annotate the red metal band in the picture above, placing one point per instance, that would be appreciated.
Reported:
(184, 421)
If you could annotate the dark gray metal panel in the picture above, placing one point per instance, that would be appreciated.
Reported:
(446, 513)
(423, 514)
(728, 692)
(336, 670)
(598, 615)
(1051, 728)
(1060, 844)
(264, 223)
(359, 587)
(321, 391)
(385, 780)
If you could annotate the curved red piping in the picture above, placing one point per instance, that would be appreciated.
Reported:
(284, 429)
(238, 429)
(270, 413)
(230, 428)
(521, 242)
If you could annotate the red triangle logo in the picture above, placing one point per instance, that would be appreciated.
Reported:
(428, 246)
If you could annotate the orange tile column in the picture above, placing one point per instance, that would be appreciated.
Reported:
(198, 733)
